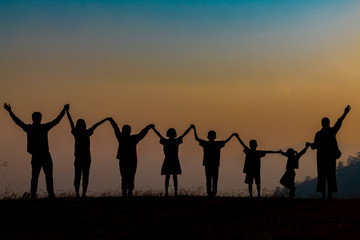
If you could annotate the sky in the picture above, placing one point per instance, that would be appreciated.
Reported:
(269, 70)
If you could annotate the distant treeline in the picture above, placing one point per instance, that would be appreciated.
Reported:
(348, 178)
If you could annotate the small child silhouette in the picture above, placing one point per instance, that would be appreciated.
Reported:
(171, 164)
(288, 179)
(252, 164)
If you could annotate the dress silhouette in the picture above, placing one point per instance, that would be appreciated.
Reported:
(252, 164)
(82, 151)
(288, 179)
(171, 164)
(211, 159)
(127, 155)
(327, 152)
(38, 147)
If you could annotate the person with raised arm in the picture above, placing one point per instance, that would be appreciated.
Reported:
(327, 152)
(211, 159)
(288, 179)
(127, 155)
(38, 147)
(252, 164)
(82, 151)
(171, 164)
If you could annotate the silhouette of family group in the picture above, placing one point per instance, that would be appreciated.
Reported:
(37, 145)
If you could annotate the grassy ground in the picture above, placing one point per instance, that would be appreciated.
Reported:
(179, 218)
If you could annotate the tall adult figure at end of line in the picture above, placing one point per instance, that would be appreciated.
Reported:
(127, 155)
(327, 152)
(38, 147)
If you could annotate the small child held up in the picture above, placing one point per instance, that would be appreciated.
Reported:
(288, 179)
(252, 164)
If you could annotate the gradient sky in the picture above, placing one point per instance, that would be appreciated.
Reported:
(269, 70)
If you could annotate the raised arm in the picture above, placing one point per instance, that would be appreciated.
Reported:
(186, 131)
(115, 127)
(157, 132)
(143, 132)
(14, 117)
(241, 141)
(228, 139)
(98, 124)
(302, 152)
(59, 117)
(70, 120)
(195, 134)
(338, 123)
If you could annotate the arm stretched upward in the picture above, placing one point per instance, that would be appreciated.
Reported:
(338, 123)
(116, 128)
(186, 132)
(143, 132)
(228, 139)
(70, 120)
(302, 152)
(54, 122)
(98, 124)
(195, 134)
(15, 118)
(241, 141)
(157, 132)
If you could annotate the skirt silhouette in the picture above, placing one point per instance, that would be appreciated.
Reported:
(288, 179)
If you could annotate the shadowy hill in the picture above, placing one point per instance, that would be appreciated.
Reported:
(348, 178)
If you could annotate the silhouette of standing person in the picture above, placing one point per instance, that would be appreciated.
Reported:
(288, 179)
(82, 151)
(171, 164)
(38, 147)
(252, 164)
(127, 155)
(327, 152)
(211, 159)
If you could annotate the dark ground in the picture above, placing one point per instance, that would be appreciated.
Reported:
(179, 218)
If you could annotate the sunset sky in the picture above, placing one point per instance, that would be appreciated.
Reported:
(269, 70)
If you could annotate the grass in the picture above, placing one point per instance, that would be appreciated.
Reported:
(183, 217)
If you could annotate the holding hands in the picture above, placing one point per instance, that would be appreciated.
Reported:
(7, 107)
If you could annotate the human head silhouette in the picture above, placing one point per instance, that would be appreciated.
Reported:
(211, 135)
(81, 125)
(290, 152)
(171, 133)
(325, 122)
(126, 130)
(253, 144)
(36, 117)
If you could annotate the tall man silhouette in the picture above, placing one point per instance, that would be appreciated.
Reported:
(38, 147)
(327, 153)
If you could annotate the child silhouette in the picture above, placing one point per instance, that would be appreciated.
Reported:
(288, 179)
(82, 151)
(127, 155)
(252, 164)
(211, 159)
(171, 164)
